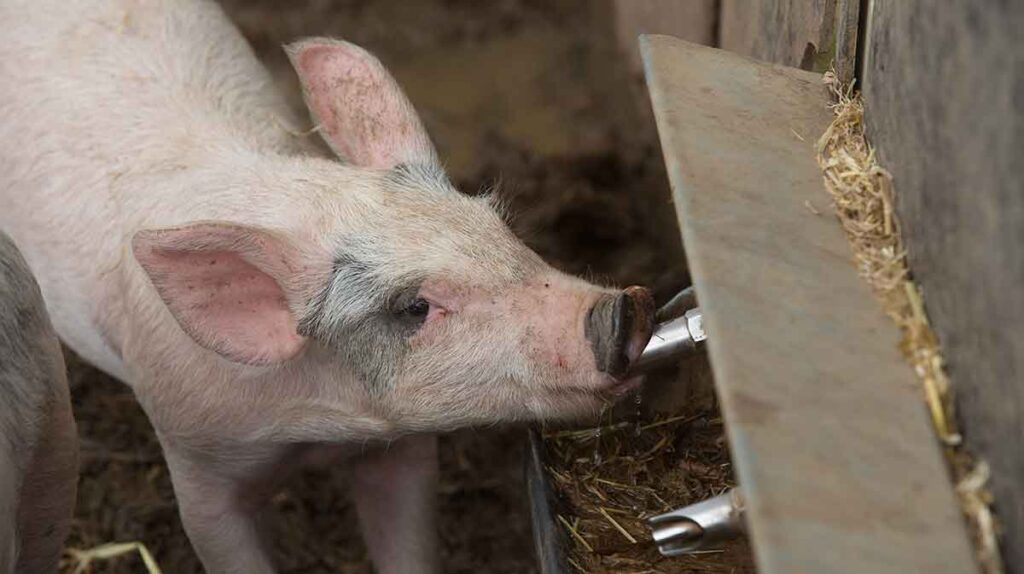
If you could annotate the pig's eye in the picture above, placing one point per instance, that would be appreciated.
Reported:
(411, 311)
(418, 309)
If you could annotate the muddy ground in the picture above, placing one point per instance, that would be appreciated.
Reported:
(526, 94)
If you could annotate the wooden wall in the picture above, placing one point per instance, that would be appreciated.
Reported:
(807, 34)
(944, 92)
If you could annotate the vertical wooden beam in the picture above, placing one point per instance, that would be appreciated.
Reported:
(847, 33)
(944, 90)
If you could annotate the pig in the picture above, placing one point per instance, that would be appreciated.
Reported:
(270, 304)
(38, 442)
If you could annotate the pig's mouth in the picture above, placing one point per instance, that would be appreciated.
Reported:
(607, 390)
(616, 388)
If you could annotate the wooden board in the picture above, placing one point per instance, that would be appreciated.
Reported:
(806, 34)
(944, 92)
(830, 438)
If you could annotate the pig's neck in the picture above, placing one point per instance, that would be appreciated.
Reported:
(311, 400)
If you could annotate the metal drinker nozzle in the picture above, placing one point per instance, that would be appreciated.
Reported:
(671, 340)
(701, 526)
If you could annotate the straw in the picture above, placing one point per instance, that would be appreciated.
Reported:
(83, 559)
(862, 194)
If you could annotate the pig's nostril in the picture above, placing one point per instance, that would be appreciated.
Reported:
(618, 327)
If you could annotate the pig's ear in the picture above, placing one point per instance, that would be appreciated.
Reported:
(223, 284)
(361, 111)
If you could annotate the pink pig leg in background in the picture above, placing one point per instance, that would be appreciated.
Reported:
(221, 507)
(395, 491)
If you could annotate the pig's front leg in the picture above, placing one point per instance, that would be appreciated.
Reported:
(395, 491)
(220, 513)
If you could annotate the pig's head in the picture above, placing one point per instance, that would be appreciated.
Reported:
(425, 296)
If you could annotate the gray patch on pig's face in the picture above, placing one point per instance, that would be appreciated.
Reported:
(361, 316)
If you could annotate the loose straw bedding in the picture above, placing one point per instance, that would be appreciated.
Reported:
(81, 561)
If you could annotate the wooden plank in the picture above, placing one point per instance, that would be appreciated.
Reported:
(830, 437)
(807, 34)
(944, 91)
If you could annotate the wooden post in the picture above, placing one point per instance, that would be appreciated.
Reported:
(944, 91)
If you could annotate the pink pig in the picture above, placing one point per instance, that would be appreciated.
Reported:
(270, 306)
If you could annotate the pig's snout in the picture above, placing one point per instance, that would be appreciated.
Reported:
(618, 328)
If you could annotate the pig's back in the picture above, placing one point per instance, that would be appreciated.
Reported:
(98, 101)
(119, 74)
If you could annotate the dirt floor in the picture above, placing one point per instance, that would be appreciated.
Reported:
(526, 94)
